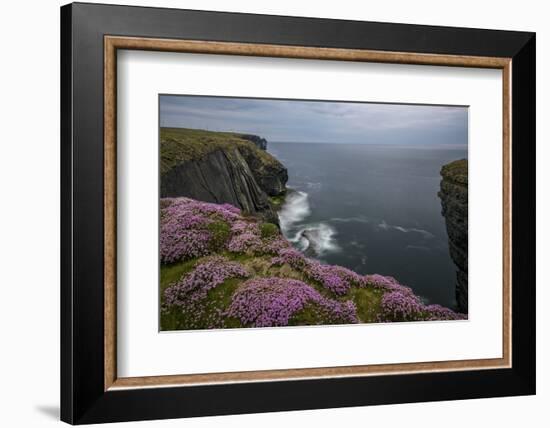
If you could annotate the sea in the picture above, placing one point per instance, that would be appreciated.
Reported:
(373, 209)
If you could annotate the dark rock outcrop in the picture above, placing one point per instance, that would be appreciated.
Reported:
(238, 173)
(454, 203)
(271, 176)
(259, 142)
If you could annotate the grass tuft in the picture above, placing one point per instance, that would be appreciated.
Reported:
(220, 232)
(268, 230)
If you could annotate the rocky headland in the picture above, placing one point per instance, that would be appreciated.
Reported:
(225, 262)
(454, 203)
(221, 167)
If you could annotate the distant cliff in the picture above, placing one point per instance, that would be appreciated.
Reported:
(221, 167)
(259, 142)
(454, 203)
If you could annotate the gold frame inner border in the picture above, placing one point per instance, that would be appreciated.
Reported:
(113, 43)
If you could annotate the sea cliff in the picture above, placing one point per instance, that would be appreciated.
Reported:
(225, 262)
(221, 167)
(454, 203)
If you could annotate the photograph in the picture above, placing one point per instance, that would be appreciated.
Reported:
(280, 212)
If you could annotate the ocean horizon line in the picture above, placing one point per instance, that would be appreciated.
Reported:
(395, 145)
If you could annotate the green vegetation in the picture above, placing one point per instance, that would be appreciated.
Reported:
(172, 273)
(367, 301)
(222, 268)
(310, 315)
(277, 201)
(456, 172)
(268, 229)
(178, 145)
(219, 297)
(220, 231)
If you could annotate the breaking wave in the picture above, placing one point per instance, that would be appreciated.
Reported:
(318, 239)
(295, 209)
(315, 238)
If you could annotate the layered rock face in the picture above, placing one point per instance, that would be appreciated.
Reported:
(270, 176)
(221, 168)
(454, 203)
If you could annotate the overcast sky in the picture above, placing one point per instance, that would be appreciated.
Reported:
(319, 121)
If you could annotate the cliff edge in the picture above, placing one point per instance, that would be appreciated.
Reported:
(221, 167)
(222, 269)
(454, 203)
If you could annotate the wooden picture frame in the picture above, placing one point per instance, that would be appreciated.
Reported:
(91, 390)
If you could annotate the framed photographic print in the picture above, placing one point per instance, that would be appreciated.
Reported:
(265, 213)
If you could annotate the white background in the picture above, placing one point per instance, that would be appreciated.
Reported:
(142, 351)
(29, 230)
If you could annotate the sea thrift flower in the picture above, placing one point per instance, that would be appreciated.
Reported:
(400, 303)
(387, 283)
(275, 244)
(240, 227)
(335, 278)
(290, 256)
(338, 312)
(207, 275)
(183, 245)
(183, 227)
(396, 306)
(190, 229)
(245, 238)
(244, 243)
(191, 291)
(269, 302)
(327, 277)
(440, 313)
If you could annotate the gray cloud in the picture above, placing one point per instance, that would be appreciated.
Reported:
(319, 121)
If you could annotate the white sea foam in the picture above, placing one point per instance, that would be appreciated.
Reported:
(295, 209)
(313, 185)
(385, 226)
(319, 238)
(356, 219)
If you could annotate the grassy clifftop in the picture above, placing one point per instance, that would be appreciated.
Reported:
(456, 172)
(223, 269)
(178, 145)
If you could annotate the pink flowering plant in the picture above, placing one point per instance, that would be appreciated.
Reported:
(249, 237)
(399, 303)
(290, 256)
(440, 313)
(189, 294)
(271, 302)
(221, 269)
(184, 227)
(337, 279)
